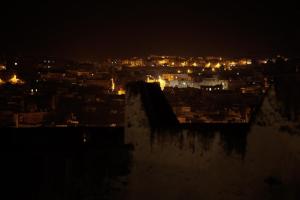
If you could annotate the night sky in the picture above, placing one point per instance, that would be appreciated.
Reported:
(97, 30)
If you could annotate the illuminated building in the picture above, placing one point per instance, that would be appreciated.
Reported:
(214, 81)
(245, 62)
(169, 77)
(163, 62)
(133, 62)
(181, 84)
(150, 79)
(162, 82)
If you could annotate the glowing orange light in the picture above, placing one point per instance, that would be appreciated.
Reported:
(208, 65)
(1, 81)
(150, 80)
(121, 92)
(15, 80)
(183, 64)
(218, 65)
(163, 62)
(232, 64)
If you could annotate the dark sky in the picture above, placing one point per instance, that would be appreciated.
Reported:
(96, 30)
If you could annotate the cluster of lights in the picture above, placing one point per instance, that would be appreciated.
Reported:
(113, 88)
(13, 80)
(162, 82)
(210, 62)
(211, 89)
(33, 91)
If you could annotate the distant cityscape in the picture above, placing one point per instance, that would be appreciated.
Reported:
(51, 92)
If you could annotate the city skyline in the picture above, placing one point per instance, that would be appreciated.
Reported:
(150, 99)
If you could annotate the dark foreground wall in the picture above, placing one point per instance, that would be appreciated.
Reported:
(79, 163)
